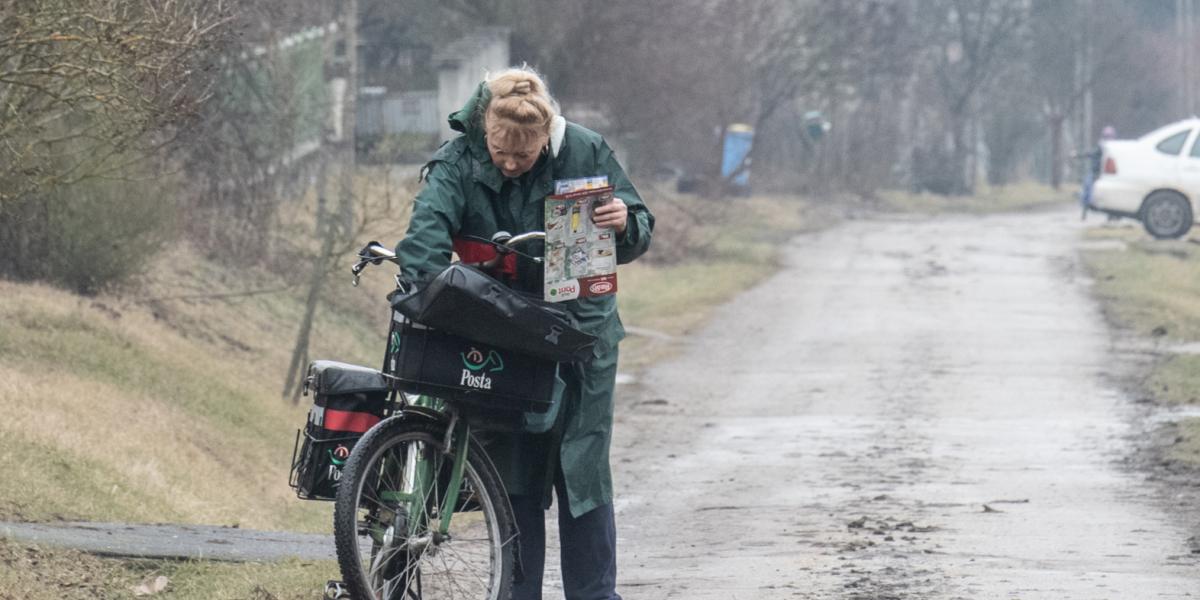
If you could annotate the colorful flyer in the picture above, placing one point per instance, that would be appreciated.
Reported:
(581, 258)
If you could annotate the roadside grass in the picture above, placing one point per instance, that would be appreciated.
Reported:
(163, 402)
(736, 244)
(1021, 196)
(41, 573)
(208, 580)
(1151, 288)
(1186, 447)
(124, 418)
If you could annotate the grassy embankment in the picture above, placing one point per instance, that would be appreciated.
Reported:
(163, 403)
(1152, 289)
(1026, 195)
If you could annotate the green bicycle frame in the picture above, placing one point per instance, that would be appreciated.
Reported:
(461, 435)
(419, 476)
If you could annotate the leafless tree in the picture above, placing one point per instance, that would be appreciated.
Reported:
(87, 84)
(92, 90)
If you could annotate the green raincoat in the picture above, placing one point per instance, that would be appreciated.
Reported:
(466, 195)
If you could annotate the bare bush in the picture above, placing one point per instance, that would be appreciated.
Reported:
(92, 91)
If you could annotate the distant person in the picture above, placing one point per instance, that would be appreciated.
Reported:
(493, 177)
(1108, 133)
(1093, 166)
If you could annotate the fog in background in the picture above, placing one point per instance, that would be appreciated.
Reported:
(148, 121)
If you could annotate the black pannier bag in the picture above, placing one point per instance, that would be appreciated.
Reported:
(348, 400)
(466, 302)
(430, 361)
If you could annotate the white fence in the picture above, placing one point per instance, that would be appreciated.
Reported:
(408, 112)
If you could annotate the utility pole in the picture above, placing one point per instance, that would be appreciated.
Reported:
(1186, 44)
(1088, 128)
(331, 224)
(349, 24)
(1184, 11)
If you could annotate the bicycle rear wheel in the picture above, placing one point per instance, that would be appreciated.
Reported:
(387, 516)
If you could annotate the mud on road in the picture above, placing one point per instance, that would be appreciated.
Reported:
(909, 409)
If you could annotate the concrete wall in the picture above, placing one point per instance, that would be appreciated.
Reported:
(460, 66)
(463, 64)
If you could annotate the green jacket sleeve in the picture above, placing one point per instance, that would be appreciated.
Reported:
(640, 225)
(436, 218)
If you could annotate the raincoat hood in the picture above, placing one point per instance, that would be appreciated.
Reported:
(468, 121)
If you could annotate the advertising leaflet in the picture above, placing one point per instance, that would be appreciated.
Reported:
(581, 258)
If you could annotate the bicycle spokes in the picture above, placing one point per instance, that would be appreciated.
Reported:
(422, 533)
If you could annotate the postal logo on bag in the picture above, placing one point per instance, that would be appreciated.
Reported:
(477, 366)
(337, 458)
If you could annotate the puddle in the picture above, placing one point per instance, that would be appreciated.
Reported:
(1189, 348)
(1174, 414)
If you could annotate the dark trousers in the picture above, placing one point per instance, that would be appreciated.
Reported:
(589, 549)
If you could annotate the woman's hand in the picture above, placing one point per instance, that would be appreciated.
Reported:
(613, 214)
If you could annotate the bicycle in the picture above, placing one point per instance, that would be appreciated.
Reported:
(420, 511)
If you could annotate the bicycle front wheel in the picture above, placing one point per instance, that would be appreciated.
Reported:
(388, 515)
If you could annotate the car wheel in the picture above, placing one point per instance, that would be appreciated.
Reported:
(1166, 215)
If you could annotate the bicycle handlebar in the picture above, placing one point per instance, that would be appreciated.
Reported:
(505, 241)
(375, 253)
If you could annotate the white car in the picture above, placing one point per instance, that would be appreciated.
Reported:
(1155, 179)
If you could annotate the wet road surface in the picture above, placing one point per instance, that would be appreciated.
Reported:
(911, 408)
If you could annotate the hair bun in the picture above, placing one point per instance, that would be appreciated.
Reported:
(519, 96)
(516, 87)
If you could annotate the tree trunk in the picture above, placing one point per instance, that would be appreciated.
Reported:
(1056, 143)
(327, 232)
(330, 226)
(958, 159)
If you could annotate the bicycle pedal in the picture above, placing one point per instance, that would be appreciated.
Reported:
(336, 590)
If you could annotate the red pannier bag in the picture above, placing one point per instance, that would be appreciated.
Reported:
(347, 401)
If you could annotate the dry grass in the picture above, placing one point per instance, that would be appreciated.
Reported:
(39, 573)
(1152, 289)
(1026, 195)
(113, 414)
(1152, 286)
(164, 403)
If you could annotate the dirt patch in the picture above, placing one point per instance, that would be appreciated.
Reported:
(59, 574)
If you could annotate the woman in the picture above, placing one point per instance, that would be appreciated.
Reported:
(495, 177)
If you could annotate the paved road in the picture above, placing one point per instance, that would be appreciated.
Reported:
(910, 409)
(174, 541)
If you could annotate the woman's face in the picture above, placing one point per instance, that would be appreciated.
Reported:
(514, 155)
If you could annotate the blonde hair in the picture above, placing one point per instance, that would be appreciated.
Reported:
(521, 108)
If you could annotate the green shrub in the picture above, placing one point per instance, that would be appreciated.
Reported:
(85, 237)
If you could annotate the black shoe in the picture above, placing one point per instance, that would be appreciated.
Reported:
(336, 590)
